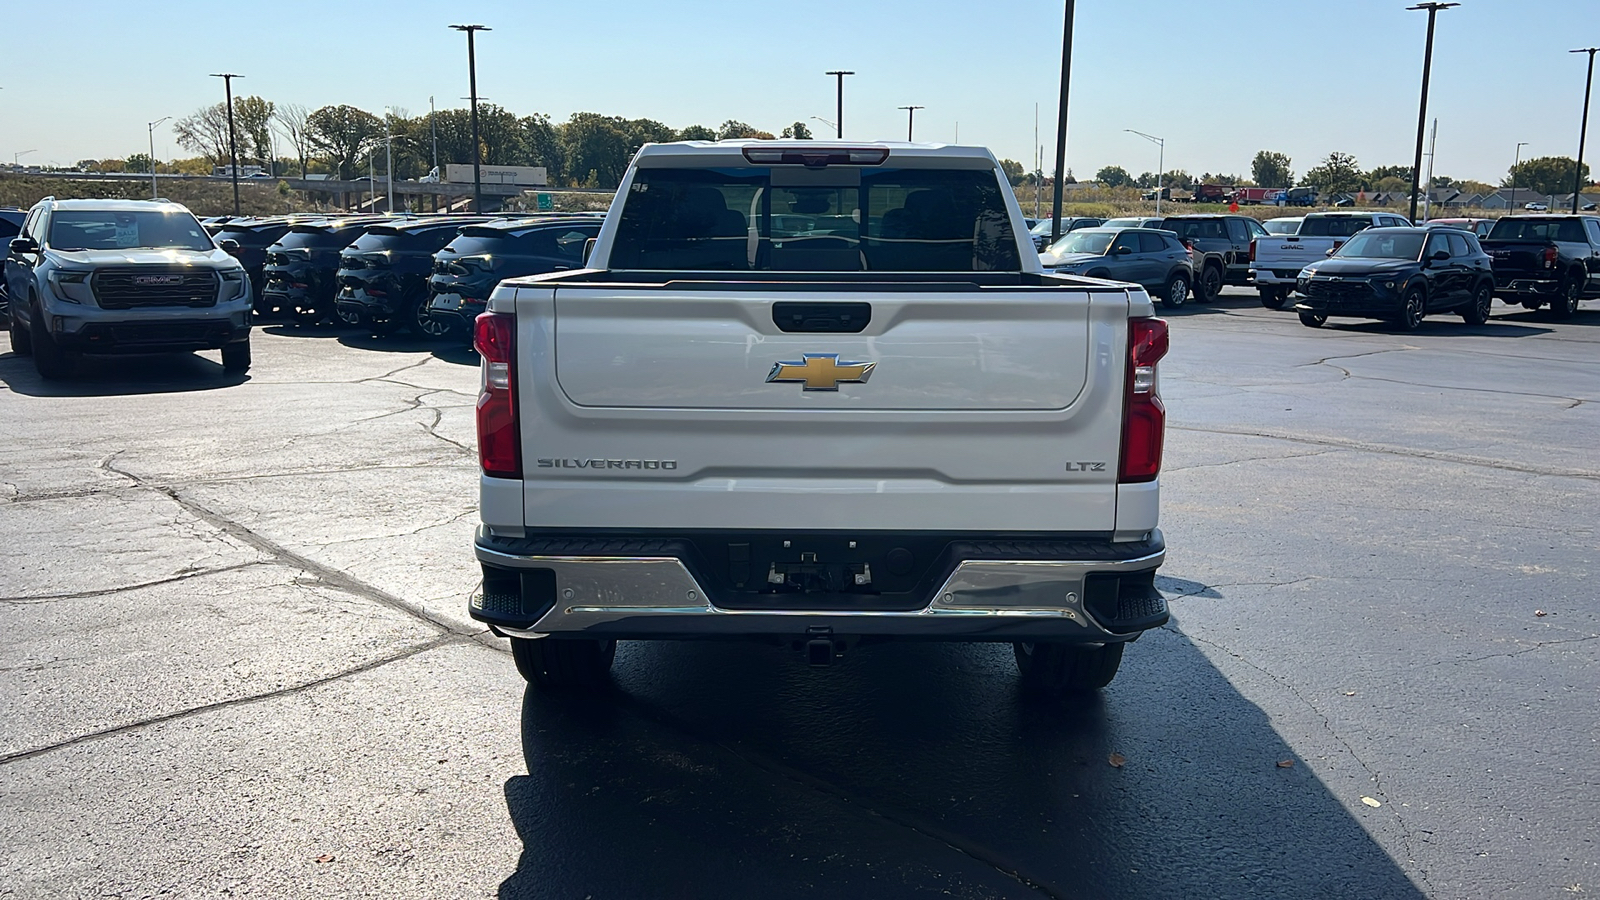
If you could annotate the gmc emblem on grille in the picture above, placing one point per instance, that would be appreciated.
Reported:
(153, 280)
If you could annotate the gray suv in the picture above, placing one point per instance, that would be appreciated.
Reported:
(1148, 257)
(123, 276)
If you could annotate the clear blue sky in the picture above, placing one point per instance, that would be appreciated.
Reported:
(1218, 79)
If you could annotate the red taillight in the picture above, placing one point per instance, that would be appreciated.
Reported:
(1252, 249)
(499, 445)
(1144, 420)
(1550, 257)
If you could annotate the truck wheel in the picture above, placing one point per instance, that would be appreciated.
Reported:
(236, 358)
(1274, 297)
(1477, 312)
(574, 663)
(1210, 286)
(1412, 309)
(424, 325)
(21, 340)
(1050, 668)
(1176, 291)
(1565, 304)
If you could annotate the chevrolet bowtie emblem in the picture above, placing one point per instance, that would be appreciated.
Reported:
(821, 371)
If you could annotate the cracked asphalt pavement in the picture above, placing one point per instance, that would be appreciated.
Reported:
(235, 658)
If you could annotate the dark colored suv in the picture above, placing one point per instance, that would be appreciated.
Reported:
(302, 266)
(10, 226)
(1399, 274)
(1221, 249)
(383, 276)
(481, 256)
(254, 236)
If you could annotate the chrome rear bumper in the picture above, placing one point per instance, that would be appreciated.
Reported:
(658, 596)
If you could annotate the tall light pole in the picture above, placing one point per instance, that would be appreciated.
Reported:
(388, 161)
(472, 78)
(1061, 121)
(828, 122)
(151, 128)
(911, 113)
(1422, 105)
(1511, 204)
(838, 124)
(18, 155)
(233, 145)
(1583, 131)
(435, 132)
(1161, 163)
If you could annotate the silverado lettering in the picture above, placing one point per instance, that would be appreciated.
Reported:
(607, 463)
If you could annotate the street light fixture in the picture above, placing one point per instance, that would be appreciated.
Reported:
(1583, 131)
(911, 112)
(1161, 163)
(1422, 105)
(838, 125)
(472, 78)
(1511, 204)
(1061, 121)
(233, 147)
(19, 155)
(828, 122)
(151, 127)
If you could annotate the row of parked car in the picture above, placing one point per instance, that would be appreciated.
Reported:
(1345, 263)
(428, 275)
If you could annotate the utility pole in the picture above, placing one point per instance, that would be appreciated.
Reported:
(1422, 105)
(1161, 163)
(433, 130)
(151, 127)
(911, 112)
(472, 77)
(1427, 191)
(1061, 122)
(838, 115)
(1511, 204)
(233, 145)
(1583, 130)
(388, 161)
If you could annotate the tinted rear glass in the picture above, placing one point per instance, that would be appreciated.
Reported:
(96, 229)
(1520, 229)
(1383, 245)
(897, 220)
(1083, 242)
(1334, 226)
(1282, 227)
(258, 236)
(1196, 228)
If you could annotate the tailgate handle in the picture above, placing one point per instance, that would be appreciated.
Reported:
(821, 318)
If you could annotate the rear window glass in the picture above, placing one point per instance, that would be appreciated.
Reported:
(1520, 229)
(1282, 226)
(896, 220)
(96, 229)
(1334, 226)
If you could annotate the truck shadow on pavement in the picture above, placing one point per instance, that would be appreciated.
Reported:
(722, 770)
(106, 376)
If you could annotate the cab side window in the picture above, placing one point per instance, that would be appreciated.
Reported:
(1256, 228)
(1593, 227)
(1129, 239)
(1237, 232)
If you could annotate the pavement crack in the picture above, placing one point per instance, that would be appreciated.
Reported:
(1536, 645)
(1390, 450)
(432, 644)
(1235, 462)
(122, 589)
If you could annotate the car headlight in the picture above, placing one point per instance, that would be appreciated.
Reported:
(64, 283)
(235, 278)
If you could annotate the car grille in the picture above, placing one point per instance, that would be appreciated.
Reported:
(1349, 293)
(129, 288)
(131, 333)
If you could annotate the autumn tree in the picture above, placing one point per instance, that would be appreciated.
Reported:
(290, 119)
(338, 134)
(1271, 169)
(1544, 175)
(1113, 176)
(1338, 173)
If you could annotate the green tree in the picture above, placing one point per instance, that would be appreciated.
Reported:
(798, 131)
(734, 129)
(597, 149)
(1339, 172)
(205, 131)
(1271, 169)
(338, 133)
(696, 133)
(252, 123)
(1544, 175)
(543, 139)
(1014, 171)
(138, 162)
(1113, 176)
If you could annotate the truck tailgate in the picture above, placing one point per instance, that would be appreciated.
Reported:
(981, 410)
(1517, 256)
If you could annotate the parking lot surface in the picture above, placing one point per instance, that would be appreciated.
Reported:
(235, 658)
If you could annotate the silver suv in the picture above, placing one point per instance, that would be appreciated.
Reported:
(123, 276)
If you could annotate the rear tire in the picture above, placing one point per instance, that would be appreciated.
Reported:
(1565, 304)
(1313, 320)
(1477, 312)
(1210, 285)
(236, 358)
(1274, 297)
(1176, 292)
(21, 340)
(52, 363)
(1056, 669)
(564, 663)
(424, 325)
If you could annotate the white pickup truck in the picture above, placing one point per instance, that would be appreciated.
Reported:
(817, 394)
(1276, 260)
